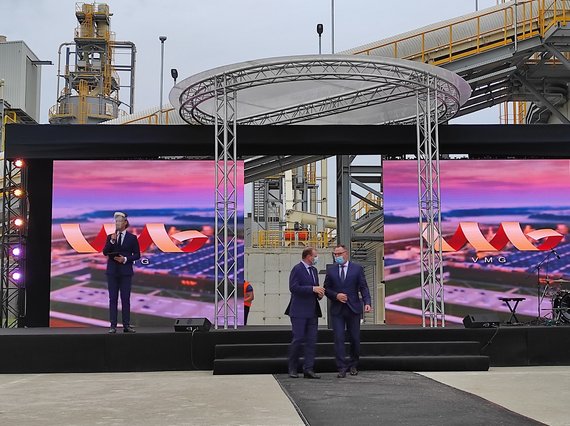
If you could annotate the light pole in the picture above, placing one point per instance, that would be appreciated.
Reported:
(332, 26)
(319, 32)
(476, 5)
(162, 40)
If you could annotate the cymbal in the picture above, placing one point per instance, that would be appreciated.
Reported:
(561, 281)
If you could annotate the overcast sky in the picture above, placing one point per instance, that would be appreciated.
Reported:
(203, 34)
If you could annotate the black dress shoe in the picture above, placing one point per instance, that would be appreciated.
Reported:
(128, 329)
(112, 330)
(310, 374)
(353, 371)
(341, 374)
(293, 375)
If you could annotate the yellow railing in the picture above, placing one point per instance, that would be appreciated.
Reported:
(73, 110)
(291, 238)
(153, 118)
(362, 207)
(466, 37)
(513, 112)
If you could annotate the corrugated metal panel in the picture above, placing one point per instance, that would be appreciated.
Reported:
(22, 78)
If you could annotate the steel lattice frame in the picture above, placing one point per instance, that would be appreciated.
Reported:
(431, 258)
(226, 305)
(393, 80)
(12, 290)
(436, 97)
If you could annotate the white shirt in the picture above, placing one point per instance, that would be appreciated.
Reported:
(310, 271)
(345, 269)
(121, 237)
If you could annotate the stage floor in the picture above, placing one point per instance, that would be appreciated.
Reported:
(39, 350)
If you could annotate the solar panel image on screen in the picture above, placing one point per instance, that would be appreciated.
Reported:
(527, 198)
(170, 207)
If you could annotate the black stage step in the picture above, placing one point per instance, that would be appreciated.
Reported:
(276, 350)
(271, 358)
(327, 364)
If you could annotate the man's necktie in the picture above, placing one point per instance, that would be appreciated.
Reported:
(342, 274)
(314, 275)
(119, 239)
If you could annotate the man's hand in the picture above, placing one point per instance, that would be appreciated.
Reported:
(319, 290)
(341, 297)
(367, 308)
(119, 258)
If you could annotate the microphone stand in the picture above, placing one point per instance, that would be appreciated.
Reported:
(537, 269)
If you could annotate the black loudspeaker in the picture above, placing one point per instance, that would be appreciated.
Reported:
(192, 324)
(481, 321)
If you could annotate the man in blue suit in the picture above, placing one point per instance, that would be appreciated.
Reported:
(343, 281)
(304, 311)
(121, 249)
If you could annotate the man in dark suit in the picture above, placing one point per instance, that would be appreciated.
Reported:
(304, 311)
(343, 281)
(122, 249)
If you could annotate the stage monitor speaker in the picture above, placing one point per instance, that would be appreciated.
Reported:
(192, 324)
(481, 321)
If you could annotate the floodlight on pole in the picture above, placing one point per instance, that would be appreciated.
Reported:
(162, 40)
(174, 74)
(319, 32)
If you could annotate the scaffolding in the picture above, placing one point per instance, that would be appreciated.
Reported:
(91, 75)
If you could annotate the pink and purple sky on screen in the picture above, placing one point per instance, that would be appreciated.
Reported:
(482, 184)
(84, 186)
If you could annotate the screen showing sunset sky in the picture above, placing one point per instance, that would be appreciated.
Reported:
(534, 193)
(179, 196)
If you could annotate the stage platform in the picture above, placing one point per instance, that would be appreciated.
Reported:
(263, 349)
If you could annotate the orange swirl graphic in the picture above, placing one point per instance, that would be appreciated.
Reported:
(469, 232)
(152, 233)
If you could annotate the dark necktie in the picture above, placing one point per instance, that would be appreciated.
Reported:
(314, 275)
(119, 239)
(342, 274)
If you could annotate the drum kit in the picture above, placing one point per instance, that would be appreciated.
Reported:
(560, 299)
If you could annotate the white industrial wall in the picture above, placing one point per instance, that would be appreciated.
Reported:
(22, 79)
(267, 270)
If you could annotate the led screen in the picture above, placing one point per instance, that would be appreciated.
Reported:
(170, 207)
(528, 199)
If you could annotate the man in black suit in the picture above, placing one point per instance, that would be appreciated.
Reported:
(304, 311)
(343, 281)
(122, 249)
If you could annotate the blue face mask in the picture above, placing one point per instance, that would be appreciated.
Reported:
(339, 260)
(315, 260)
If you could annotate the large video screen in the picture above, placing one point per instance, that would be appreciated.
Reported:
(505, 227)
(170, 207)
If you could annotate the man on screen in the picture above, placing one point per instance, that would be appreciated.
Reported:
(121, 249)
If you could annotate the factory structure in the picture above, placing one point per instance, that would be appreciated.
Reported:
(89, 71)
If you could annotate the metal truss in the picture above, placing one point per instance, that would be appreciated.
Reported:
(388, 80)
(432, 95)
(226, 206)
(12, 263)
(431, 258)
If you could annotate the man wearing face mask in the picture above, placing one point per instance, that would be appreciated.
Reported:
(343, 281)
(304, 311)
(121, 249)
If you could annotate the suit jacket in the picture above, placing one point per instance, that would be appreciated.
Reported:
(304, 302)
(354, 282)
(129, 248)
